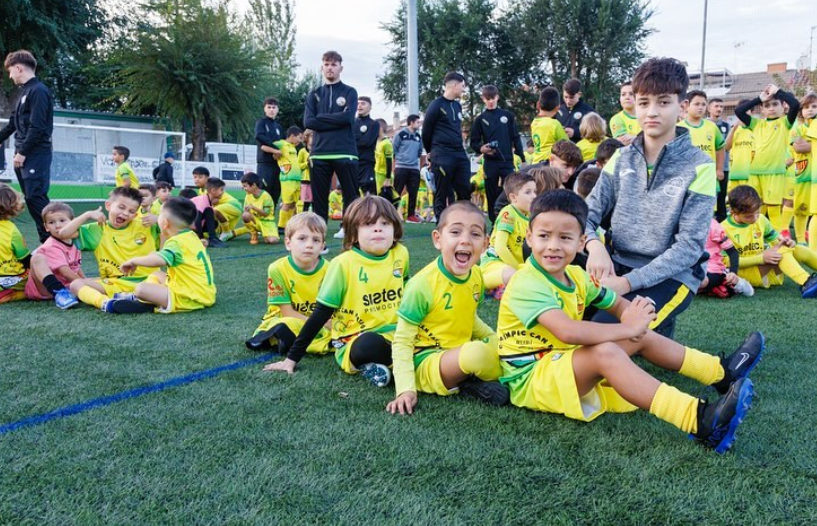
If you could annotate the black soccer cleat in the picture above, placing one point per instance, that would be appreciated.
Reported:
(215, 242)
(718, 421)
(741, 362)
(491, 393)
(809, 288)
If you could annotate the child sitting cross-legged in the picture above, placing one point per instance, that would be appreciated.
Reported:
(15, 257)
(554, 362)
(259, 212)
(292, 288)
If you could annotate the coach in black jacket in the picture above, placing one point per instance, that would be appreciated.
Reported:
(573, 109)
(32, 124)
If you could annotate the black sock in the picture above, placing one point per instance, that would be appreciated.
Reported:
(52, 284)
(370, 347)
(132, 307)
(281, 332)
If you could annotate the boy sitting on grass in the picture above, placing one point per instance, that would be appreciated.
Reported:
(259, 212)
(292, 288)
(554, 362)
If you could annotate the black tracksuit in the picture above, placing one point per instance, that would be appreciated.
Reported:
(572, 117)
(442, 139)
(267, 132)
(367, 130)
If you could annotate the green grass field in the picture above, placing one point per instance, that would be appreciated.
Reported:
(248, 447)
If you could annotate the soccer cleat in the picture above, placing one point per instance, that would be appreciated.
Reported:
(253, 238)
(107, 306)
(491, 393)
(809, 288)
(226, 236)
(378, 374)
(413, 219)
(339, 234)
(744, 288)
(6, 282)
(129, 296)
(216, 243)
(718, 421)
(64, 299)
(741, 362)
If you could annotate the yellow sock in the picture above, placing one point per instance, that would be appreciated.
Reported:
(241, 231)
(786, 216)
(791, 267)
(701, 366)
(805, 255)
(800, 223)
(92, 296)
(284, 216)
(812, 233)
(675, 407)
(481, 360)
(773, 211)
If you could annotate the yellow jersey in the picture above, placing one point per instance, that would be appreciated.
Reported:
(113, 246)
(532, 292)
(303, 164)
(335, 202)
(124, 171)
(364, 290)
(288, 161)
(802, 161)
(623, 123)
(264, 202)
(384, 150)
(12, 249)
(740, 156)
(750, 240)
(287, 284)
(156, 207)
(706, 136)
(588, 149)
(771, 145)
(189, 271)
(545, 131)
(515, 223)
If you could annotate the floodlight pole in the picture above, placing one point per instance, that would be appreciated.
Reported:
(412, 65)
(703, 48)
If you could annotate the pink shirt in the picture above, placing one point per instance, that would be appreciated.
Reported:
(57, 254)
(202, 202)
(716, 242)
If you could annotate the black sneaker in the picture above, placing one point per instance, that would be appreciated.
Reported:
(491, 393)
(809, 288)
(741, 362)
(216, 243)
(259, 342)
(718, 421)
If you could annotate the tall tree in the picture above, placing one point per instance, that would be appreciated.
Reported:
(271, 24)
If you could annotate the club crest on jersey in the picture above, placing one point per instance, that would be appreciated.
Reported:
(756, 234)
(363, 128)
(577, 115)
(477, 292)
(140, 239)
(285, 168)
(503, 119)
(341, 101)
(397, 269)
(800, 167)
(709, 137)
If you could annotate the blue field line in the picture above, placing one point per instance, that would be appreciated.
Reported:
(102, 401)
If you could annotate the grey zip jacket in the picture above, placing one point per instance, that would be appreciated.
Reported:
(659, 218)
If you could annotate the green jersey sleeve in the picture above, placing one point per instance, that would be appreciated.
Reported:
(720, 142)
(769, 233)
(530, 299)
(277, 287)
(172, 253)
(596, 295)
(333, 288)
(18, 244)
(417, 302)
(89, 236)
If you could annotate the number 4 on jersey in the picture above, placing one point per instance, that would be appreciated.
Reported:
(362, 276)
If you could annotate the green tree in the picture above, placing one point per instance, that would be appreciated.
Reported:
(271, 25)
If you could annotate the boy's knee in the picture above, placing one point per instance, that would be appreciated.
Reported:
(247, 217)
(139, 291)
(609, 352)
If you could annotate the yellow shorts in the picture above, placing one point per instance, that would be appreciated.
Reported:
(267, 227)
(788, 190)
(735, 183)
(320, 345)
(231, 213)
(114, 285)
(770, 187)
(492, 273)
(427, 373)
(802, 199)
(756, 279)
(341, 348)
(290, 192)
(178, 302)
(378, 180)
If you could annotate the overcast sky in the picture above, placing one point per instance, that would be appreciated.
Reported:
(742, 36)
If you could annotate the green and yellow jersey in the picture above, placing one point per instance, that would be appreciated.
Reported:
(588, 149)
(515, 224)
(384, 150)
(335, 202)
(623, 123)
(740, 156)
(156, 207)
(12, 249)
(706, 136)
(364, 290)
(517, 162)
(289, 285)
(189, 270)
(263, 202)
(771, 145)
(303, 164)
(750, 240)
(288, 161)
(802, 161)
(545, 131)
(113, 246)
(124, 171)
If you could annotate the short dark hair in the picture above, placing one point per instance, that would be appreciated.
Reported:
(127, 192)
(586, 181)
(180, 209)
(489, 91)
(149, 187)
(549, 99)
(696, 93)
(453, 76)
(124, 151)
(515, 181)
(572, 86)
(272, 101)
(661, 76)
(22, 57)
(366, 210)
(563, 201)
(384, 126)
(57, 207)
(188, 193)
(411, 119)
(364, 98)
(625, 83)
(715, 99)
(744, 199)
(464, 206)
(293, 130)
(163, 185)
(606, 149)
(201, 170)
(214, 183)
(567, 151)
(252, 178)
(332, 56)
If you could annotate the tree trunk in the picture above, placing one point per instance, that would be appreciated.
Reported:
(219, 130)
(5, 104)
(199, 139)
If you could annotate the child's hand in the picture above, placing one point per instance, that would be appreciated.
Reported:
(96, 215)
(286, 365)
(720, 174)
(771, 256)
(247, 208)
(128, 267)
(786, 241)
(730, 279)
(403, 404)
(638, 316)
(599, 264)
(149, 219)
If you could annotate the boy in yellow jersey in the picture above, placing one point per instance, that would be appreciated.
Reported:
(124, 175)
(593, 130)
(529, 151)
(336, 204)
(290, 176)
(740, 143)
(259, 212)
(554, 362)
(292, 288)
(811, 137)
(545, 130)
(383, 156)
(114, 241)
(303, 164)
(148, 193)
(188, 284)
(771, 134)
(765, 255)
(163, 192)
(15, 258)
(702, 132)
(624, 125)
(801, 149)
(504, 254)
(441, 346)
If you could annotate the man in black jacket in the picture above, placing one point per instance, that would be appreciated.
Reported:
(32, 123)
(330, 112)
(367, 131)
(267, 132)
(164, 172)
(494, 135)
(573, 109)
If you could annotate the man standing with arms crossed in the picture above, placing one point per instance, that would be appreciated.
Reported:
(267, 132)
(32, 123)
(494, 135)
(330, 112)
(408, 148)
(442, 139)
(367, 130)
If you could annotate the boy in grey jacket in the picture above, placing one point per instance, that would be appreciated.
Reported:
(659, 194)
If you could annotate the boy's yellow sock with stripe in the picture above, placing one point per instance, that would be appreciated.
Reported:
(701, 366)
(91, 296)
(786, 216)
(675, 407)
(284, 216)
(805, 255)
(812, 233)
(791, 267)
(774, 213)
(241, 231)
(800, 226)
